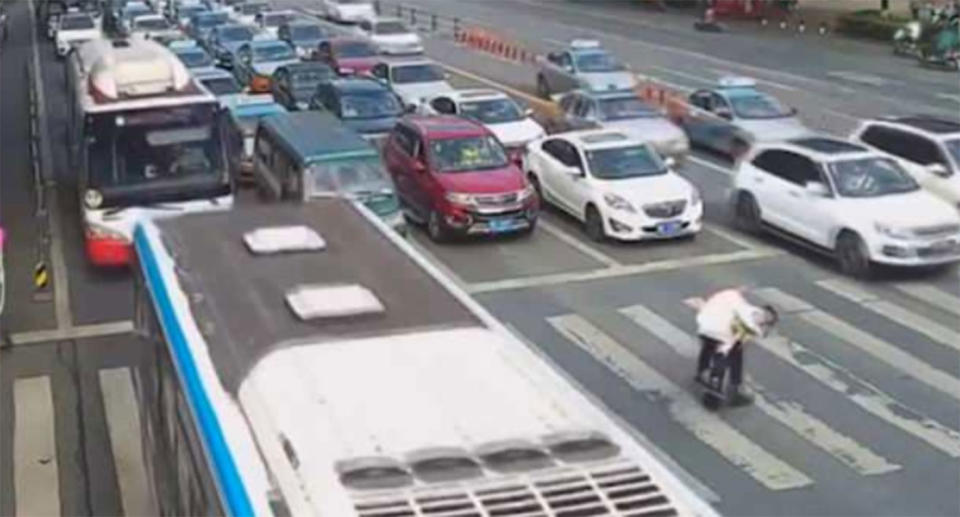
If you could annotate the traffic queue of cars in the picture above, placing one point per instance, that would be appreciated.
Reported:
(475, 162)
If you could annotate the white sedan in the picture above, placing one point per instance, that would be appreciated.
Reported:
(75, 29)
(617, 185)
(348, 11)
(391, 36)
(512, 124)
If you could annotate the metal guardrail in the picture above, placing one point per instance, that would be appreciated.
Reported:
(36, 164)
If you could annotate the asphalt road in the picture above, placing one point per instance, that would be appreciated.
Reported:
(858, 409)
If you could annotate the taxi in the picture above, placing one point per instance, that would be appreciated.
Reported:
(734, 115)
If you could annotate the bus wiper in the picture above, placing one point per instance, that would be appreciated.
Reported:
(118, 209)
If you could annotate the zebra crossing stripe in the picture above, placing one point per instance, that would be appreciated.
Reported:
(878, 348)
(742, 452)
(123, 425)
(35, 473)
(790, 414)
(870, 398)
(921, 324)
(931, 295)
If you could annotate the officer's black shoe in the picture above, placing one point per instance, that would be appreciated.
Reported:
(740, 397)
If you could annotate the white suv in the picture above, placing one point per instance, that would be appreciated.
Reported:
(616, 184)
(929, 148)
(846, 199)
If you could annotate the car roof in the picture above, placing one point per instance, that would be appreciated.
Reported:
(440, 126)
(821, 148)
(357, 84)
(928, 123)
(256, 108)
(472, 94)
(312, 136)
(599, 138)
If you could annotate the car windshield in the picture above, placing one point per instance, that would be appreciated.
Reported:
(625, 108)
(252, 9)
(195, 58)
(226, 85)
(953, 149)
(76, 23)
(275, 20)
(757, 106)
(870, 177)
(236, 34)
(306, 32)
(369, 105)
(355, 49)
(625, 162)
(153, 24)
(352, 175)
(425, 73)
(388, 28)
(278, 52)
(452, 155)
(597, 62)
(493, 111)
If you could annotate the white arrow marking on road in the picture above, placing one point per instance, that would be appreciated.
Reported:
(865, 395)
(35, 474)
(766, 468)
(921, 324)
(878, 348)
(790, 414)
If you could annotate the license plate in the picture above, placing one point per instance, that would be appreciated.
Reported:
(502, 225)
(668, 228)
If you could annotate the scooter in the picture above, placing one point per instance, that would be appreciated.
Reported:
(906, 39)
(714, 394)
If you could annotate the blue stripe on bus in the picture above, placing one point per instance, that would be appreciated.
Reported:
(238, 501)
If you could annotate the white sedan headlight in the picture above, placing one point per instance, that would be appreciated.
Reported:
(892, 231)
(618, 203)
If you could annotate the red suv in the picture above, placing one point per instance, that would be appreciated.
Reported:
(454, 175)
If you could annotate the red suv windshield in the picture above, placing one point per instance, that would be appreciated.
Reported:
(468, 154)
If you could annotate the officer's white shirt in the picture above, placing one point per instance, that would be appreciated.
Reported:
(719, 314)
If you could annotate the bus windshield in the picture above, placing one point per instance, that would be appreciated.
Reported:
(138, 148)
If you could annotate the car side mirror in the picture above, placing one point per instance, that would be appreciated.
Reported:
(568, 68)
(669, 162)
(816, 189)
(410, 108)
(528, 112)
(938, 169)
(794, 111)
(724, 113)
(419, 166)
(573, 171)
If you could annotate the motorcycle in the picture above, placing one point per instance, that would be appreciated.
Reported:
(942, 49)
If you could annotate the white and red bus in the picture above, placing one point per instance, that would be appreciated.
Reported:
(145, 139)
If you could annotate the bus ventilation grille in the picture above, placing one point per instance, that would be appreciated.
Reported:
(618, 490)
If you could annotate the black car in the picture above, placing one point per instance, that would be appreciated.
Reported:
(293, 85)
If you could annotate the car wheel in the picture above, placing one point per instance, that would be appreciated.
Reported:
(435, 228)
(748, 213)
(543, 89)
(852, 255)
(593, 225)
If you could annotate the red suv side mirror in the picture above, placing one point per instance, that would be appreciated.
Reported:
(419, 166)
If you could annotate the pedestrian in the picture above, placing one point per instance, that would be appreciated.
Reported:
(724, 323)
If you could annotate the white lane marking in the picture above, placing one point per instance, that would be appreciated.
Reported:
(710, 165)
(727, 441)
(58, 265)
(916, 322)
(692, 77)
(697, 486)
(35, 474)
(626, 270)
(78, 332)
(759, 80)
(865, 395)
(437, 263)
(790, 414)
(931, 295)
(578, 244)
(123, 425)
(949, 96)
(878, 348)
(857, 77)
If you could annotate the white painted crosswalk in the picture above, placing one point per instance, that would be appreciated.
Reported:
(788, 411)
(37, 446)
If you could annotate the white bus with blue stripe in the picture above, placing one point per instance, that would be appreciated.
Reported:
(308, 361)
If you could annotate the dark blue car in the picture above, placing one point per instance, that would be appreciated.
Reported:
(363, 104)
